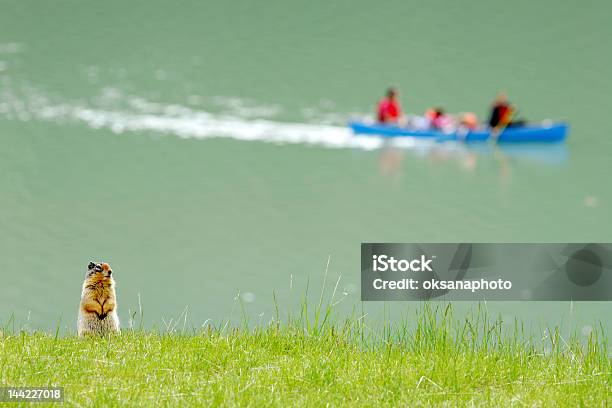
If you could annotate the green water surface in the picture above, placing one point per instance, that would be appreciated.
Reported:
(189, 222)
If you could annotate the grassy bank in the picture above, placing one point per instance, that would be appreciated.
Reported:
(432, 358)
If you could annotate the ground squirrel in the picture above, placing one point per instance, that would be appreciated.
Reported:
(98, 310)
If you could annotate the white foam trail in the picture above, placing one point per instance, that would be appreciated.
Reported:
(10, 48)
(141, 115)
(203, 125)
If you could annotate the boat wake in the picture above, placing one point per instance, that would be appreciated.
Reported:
(135, 114)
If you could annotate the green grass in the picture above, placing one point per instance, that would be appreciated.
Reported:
(429, 357)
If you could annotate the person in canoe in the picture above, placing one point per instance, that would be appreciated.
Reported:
(439, 119)
(503, 113)
(389, 110)
(469, 120)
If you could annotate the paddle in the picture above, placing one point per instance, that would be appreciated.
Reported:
(496, 132)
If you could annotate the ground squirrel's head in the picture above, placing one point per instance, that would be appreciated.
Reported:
(99, 272)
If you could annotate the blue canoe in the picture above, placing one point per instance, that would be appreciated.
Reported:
(553, 133)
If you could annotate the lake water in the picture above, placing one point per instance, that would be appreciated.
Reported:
(201, 149)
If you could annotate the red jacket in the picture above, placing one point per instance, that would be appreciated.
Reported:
(388, 110)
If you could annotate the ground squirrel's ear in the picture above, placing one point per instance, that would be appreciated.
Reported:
(91, 266)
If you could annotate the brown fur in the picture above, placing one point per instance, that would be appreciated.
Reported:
(98, 309)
